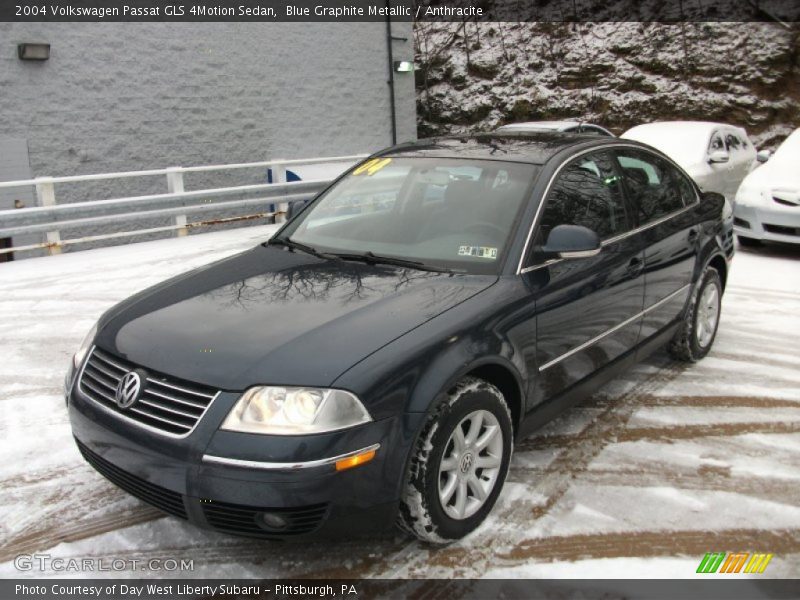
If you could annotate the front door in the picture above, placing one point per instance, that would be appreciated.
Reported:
(587, 308)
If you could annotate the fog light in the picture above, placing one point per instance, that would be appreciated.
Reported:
(273, 521)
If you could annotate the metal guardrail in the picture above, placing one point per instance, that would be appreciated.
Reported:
(51, 218)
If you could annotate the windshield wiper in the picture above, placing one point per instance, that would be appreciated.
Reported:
(374, 259)
(289, 243)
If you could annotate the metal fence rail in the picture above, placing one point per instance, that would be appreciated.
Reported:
(51, 218)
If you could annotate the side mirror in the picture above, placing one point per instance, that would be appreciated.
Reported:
(572, 241)
(762, 156)
(294, 208)
(718, 156)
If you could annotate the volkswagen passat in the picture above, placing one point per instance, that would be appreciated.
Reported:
(375, 360)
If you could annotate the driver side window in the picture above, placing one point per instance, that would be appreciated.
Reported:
(587, 192)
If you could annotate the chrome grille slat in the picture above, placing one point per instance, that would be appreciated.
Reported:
(100, 393)
(180, 389)
(112, 385)
(110, 362)
(139, 411)
(103, 370)
(163, 407)
(179, 400)
(172, 410)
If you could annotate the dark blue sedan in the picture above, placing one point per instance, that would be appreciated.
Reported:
(375, 360)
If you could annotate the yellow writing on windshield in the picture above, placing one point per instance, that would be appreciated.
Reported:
(372, 166)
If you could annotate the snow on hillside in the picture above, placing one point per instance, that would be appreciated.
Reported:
(481, 75)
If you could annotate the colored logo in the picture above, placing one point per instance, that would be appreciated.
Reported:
(733, 562)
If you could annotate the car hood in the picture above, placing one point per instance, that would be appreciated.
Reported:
(270, 316)
(775, 176)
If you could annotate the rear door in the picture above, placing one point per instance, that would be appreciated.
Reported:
(661, 196)
(587, 308)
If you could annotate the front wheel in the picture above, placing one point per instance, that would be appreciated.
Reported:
(696, 336)
(459, 463)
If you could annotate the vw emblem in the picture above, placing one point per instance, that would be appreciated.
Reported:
(128, 389)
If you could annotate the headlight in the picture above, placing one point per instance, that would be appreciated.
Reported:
(293, 410)
(77, 360)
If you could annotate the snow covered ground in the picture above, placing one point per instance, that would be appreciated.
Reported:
(641, 480)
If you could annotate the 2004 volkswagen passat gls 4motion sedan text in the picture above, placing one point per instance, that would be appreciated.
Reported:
(374, 361)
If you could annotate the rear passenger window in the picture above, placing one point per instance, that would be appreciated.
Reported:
(587, 192)
(654, 185)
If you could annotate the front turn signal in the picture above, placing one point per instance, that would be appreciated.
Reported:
(355, 460)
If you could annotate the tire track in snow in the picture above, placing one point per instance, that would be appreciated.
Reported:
(68, 499)
(640, 544)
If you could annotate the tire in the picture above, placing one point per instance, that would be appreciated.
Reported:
(748, 242)
(431, 505)
(701, 321)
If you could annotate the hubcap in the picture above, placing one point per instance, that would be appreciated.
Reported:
(470, 464)
(707, 315)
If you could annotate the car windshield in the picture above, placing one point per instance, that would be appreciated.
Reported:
(452, 214)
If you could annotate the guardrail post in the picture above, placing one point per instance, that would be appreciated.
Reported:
(175, 186)
(46, 196)
(279, 176)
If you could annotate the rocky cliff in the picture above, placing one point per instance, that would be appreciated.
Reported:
(477, 76)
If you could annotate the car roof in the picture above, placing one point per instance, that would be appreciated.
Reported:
(556, 125)
(534, 147)
(673, 126)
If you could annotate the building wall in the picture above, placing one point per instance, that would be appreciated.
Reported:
(130, 96)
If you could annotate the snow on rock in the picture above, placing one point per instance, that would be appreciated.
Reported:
(617, 74)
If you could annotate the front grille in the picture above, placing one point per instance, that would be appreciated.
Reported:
(247, 520)
(166, 405)
(162, 498)
(782, 230)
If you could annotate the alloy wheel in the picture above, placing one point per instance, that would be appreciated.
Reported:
(470, 466)
(707, 315)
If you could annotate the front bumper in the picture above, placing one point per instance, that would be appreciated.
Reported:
(770, 223)
(178, 477)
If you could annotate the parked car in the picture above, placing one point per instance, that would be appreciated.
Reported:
(768, 201)
(375, 366)
(563, 126)
(715, 155)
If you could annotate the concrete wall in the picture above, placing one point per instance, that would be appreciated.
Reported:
(130, 96)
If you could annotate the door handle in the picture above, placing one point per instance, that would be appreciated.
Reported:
(635, 266)
(693, 235)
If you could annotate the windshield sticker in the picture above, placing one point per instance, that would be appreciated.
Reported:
(372, 166)
(478, 251)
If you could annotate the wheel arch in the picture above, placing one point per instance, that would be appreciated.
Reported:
(496, 369)
(717, 260)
